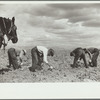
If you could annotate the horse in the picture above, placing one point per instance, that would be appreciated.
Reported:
(8, 28)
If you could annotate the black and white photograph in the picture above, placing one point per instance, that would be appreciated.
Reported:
(49, 42)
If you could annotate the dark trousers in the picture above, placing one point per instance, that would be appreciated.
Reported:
(13, 58)
(36, 59)
(94, 57)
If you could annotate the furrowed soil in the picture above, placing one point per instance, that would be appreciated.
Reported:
(62, 71)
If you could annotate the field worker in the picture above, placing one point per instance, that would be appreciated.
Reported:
(20, 54)
(15, 57)
(78, 54)
(93, 54)
(39, 56)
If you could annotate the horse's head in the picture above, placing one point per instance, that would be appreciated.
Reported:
(12, 30)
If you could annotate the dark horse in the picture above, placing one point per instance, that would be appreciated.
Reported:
(8, 28)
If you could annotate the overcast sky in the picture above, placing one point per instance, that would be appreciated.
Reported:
(65, 25)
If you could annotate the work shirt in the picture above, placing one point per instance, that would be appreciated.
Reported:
(44, 51)
(78, 51)
(92, 50)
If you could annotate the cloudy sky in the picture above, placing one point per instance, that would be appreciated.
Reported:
(64, 25)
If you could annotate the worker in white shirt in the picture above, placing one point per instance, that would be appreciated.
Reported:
(15, 57)
(39, 56)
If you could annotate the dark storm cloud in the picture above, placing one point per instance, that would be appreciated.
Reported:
(83, 18)
(93, 23)
(69, 6)
(76, 12)
(73, 12)
(40, 10)
(46, 11)
(42, 16)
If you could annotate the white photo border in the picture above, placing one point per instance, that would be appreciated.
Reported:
(49, 90)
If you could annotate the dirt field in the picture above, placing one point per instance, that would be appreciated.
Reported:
(62, 71)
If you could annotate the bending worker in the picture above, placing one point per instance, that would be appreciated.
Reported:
(39, 56)
(93, 54)
(15, 57)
